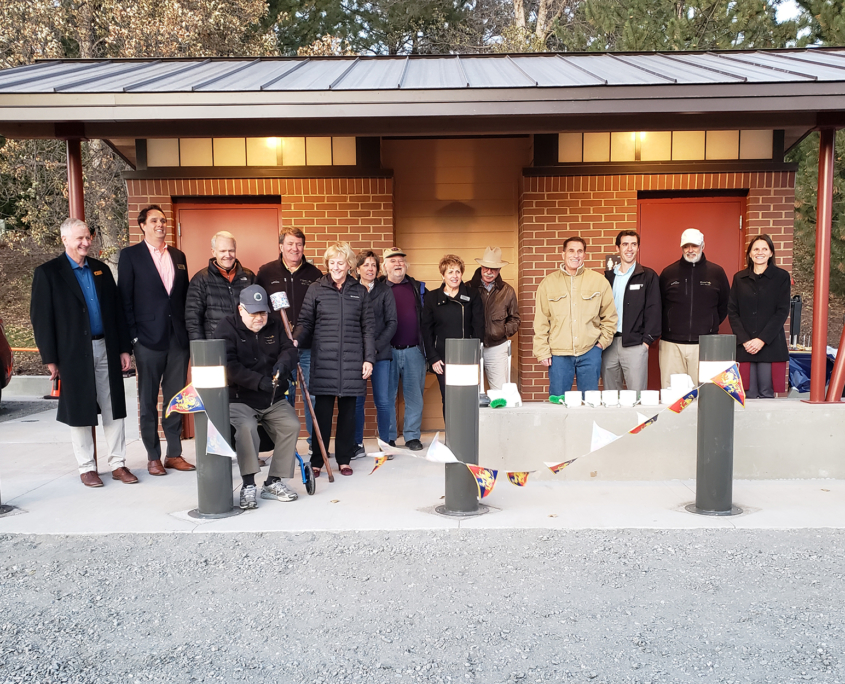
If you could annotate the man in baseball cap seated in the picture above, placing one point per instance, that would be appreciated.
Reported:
(259, 359)
(694, 293)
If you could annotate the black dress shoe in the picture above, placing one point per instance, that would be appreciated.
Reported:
(414, 445)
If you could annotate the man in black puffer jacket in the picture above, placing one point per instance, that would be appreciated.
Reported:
(694, 293)
(214, 292)
(257, 351)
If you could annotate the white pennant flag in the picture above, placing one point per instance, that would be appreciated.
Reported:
(440, 453)
(394, 451)
(641, 418)
(601, 438)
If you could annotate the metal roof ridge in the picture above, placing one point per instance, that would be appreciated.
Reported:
(177, 72)
(345, 72)
(38, 77)
(705, 67)
(83, 81)
(580, 68)
(642, 68)
(808, 61)
(238, 68)
(404, 72)
(462, 71)
(522, 71)
(767, 66)
(278, 78)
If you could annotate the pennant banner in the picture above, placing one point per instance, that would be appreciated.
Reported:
(519, 478)
(684, 401)
(394, 451)
(644, 424)
(558, 467)
(186, 401)
(601, 438)
(380, 458)
(439, 452)
(216, 444)
(731, 382)
(485, 478)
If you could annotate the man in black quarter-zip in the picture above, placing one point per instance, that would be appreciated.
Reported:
(694, 293)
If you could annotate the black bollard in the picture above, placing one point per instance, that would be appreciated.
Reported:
(462, 378)
(715, 448)
(214, 472)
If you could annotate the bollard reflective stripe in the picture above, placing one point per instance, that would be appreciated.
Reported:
(208, 377)
(462, 375)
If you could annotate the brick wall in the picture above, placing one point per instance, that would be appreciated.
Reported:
(354, 210)
(598, 207)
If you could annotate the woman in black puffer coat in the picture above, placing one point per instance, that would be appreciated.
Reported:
(336, 322)
(454, 311)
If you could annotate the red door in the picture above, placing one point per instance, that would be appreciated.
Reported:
(256, 231)
(661, 222)
(255, 227)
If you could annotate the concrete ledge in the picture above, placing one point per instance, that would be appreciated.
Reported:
(28, 386)
(773, 439)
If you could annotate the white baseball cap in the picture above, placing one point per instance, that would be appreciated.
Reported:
(692, 236)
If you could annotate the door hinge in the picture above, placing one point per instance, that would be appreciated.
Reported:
(179, 228)
(740, 223)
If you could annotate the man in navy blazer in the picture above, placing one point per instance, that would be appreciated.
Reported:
(153, 282)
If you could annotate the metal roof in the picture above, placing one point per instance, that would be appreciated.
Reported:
(393, 95)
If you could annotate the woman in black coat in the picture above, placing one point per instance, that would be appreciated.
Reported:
(453, 311)
(336, 322)
(383, 304)
(758, 306)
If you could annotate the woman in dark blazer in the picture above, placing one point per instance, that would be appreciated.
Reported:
(758, 306)
(336, 323)
(383, 304)
(453, 311)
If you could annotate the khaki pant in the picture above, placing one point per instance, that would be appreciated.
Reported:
(628, 363)
(280, 422)
(677, 358)
(496, 362)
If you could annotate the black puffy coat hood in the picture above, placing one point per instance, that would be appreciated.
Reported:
(338, 326)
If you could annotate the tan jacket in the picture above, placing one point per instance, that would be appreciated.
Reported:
(573, 313)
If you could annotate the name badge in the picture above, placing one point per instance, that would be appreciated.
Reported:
(635, 287)
(98, 273)
(465, 298)
(181, 266)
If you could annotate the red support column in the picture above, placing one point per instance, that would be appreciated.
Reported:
(75, 189)
(821, 289)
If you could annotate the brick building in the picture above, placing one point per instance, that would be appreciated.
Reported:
(447, 154)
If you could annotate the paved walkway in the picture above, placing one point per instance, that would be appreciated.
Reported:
(38, 476)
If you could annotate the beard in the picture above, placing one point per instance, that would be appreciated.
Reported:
(693, 259)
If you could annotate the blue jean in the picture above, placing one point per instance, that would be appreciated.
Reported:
(305, 364)
(409, 365)
(381, 398)
(564, 369)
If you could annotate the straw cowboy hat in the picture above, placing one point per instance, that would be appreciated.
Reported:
(492, 258)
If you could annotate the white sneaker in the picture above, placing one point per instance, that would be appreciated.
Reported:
(279, 491)
(248, 497)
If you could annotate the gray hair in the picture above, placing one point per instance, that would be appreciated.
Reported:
(69, 224)
(222, 234)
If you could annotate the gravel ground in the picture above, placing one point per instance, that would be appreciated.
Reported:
(445, 607)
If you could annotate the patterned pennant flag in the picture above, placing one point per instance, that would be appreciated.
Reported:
(644, 424)
(381, 459)
(558, 467)
(394, 451)
(684, 401)
(519, 478)
(216, 444)
(485, 478)
(732, 384)
(186, 401)
(601, 438)
(439, 453)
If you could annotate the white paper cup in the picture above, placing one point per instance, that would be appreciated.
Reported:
(649, 398)
(592, 398)
(628, 397)
(610, 397)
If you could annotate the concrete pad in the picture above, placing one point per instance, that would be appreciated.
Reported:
(38, 474)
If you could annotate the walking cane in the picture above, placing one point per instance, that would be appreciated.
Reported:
(280, 302)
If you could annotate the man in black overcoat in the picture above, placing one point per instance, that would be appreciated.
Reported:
(83, 339)
(153, 281)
